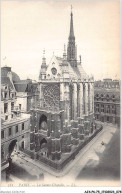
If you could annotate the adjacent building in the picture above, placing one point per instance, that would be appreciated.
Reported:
(15, 126)
(107, 101)
(27, 94)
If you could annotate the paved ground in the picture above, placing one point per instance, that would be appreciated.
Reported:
(24, 170)
(108, 166)
(93, 161)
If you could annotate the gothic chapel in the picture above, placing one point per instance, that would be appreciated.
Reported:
(64, 115)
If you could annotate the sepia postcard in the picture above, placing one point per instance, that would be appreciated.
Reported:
(60, 96)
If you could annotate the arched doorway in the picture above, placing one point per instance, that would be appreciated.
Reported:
(43, 147)
(43, 123)
(12, 146)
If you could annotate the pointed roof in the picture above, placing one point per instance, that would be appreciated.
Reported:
(74, 72)
(71, 25)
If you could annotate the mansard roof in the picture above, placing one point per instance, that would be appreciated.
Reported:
(22, 85)
(26, 86)
(110, 92)
(6, 80)
(4, 72)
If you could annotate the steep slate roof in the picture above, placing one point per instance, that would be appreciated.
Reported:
(4, 72)
(105, 92)
(74, 72)
(15, 77)
(6, 80)
(22, 85)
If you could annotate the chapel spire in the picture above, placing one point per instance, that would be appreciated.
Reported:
(71, 25)
(71, 48)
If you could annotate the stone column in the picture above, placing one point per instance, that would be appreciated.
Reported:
(41, 95)
(75, 100)
(67, 102)
(86, 99)
(92, 97)
(62, 96)
(89, 98)
(17, 144)
(74, 132)
(71, 103)
(78, 100)
(81, 131)
(36, 127)
(32, 124)
(81, 100)
(56, 147)
(66, 138)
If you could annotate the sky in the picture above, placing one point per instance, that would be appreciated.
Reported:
(29, 27)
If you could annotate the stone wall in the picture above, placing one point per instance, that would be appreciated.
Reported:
(59, 165)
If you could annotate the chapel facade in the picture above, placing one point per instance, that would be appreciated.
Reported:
(64, 115)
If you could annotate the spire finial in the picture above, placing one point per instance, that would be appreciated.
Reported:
(43, 58)
(64, 48)
(64, 54)
(80, 58)
(71, 8)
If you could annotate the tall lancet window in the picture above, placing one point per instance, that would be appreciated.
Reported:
(71, 103)
(84, 98)
(78, 100)
(89, 97)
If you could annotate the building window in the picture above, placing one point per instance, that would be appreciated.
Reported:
(12, 105)
(16, 128)
(113, 110)
(108, 109)
(9, 132)
(5, 94)
(22, 126)
(113, 98)
(2, 134)
(107, 97)
(22, 136)
(97, 107)
(108, 119)
(102, 97)
(5, 107)
(12, 116)
(102, 108)
(20, 106)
